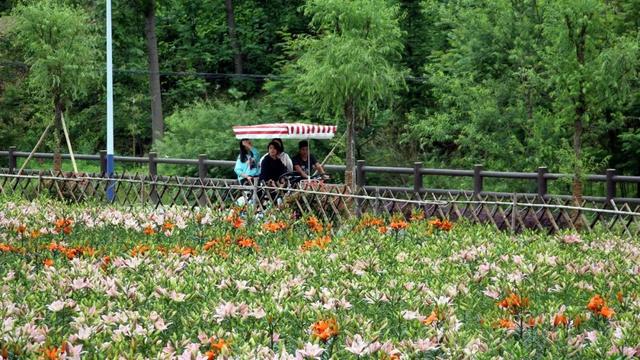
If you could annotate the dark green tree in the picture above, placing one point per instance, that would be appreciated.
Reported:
(348, 68)
(60, 47)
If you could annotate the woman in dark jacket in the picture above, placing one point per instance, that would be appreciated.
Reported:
(272, 167)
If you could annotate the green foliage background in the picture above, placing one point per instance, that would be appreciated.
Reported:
(492, 82)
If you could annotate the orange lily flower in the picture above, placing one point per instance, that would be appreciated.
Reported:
(398, 225)
(606, 312)
(514, 303)
(219, 345)
(209, 244)
(139, 250)
(314, 224)
(560, 319)
(433, 317)
(5, 247)
(48, 262)
(184, 250)
(595, 303)
(149, 230)
(446, 225)
(105, 262)
(370, 221)
(168, 226)
(216, 348)
(51, 353)
(325, 329)
(577, 321)
(246, 242)
(506, 324)
(274, 226)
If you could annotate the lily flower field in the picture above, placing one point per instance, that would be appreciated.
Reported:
(96, 282)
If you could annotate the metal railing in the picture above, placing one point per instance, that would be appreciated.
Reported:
(478, 174)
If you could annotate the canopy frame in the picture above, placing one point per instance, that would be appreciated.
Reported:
(289, 131)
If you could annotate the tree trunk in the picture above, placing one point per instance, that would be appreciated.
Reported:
(577, 150)
(157, 123)
(57, 157)
(579, 41)
(231, 24)
(350, 117)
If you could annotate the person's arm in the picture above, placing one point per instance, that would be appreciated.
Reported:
(299, 170)
(288, 163)
(263, 170)
(257, 157)
(319, 169)
(240, 169)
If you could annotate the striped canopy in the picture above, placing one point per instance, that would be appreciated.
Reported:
(285, 131)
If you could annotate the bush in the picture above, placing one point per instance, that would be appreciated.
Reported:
(204, 128)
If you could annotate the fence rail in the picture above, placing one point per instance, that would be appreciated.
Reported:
(478, 174)
(331, 202)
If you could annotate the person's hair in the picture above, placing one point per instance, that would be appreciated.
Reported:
(276, 145)
(303, 143)
(243, 151)
(279, 141)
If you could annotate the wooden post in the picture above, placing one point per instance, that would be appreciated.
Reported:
(153, 166)
(103, 162)
(542, 182)
(202, 166)
(477, 180)
(361, 182)
(202, 174)
(360, 174)
(417, 177)
(514, 213)
(153, 175)
(12, 159)
(611, 185)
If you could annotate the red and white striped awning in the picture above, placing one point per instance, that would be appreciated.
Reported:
(285, 131)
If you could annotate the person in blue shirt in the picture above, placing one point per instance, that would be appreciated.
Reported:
(247, 165)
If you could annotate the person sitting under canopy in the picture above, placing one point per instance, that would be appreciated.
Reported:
(304, 159)
(247, 166)
(271, 167)
(283, 156)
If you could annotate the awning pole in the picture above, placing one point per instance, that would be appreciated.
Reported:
(308, 159)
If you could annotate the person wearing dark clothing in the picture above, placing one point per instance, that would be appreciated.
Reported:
(304, 159)
(283, 156)
(272, 167)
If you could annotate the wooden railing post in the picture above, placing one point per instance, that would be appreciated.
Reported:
(202, 174)
(360, 174)
(417, 177)
(361, 183)
(477, 179)
(153, 165)
(542, 182)
(202, 167)
(12, 159)
(611, 185)
(153, 175)
(103, 162)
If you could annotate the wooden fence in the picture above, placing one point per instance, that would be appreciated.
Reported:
(541, 177)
